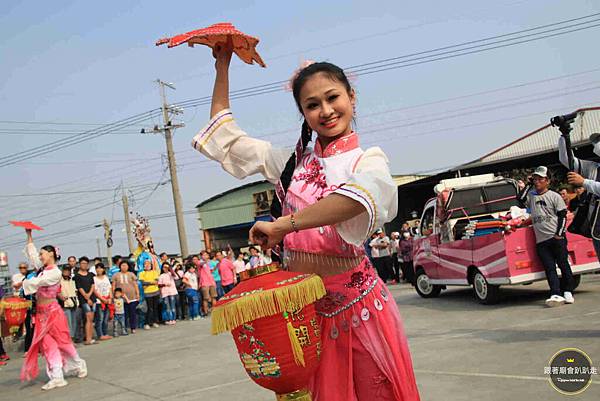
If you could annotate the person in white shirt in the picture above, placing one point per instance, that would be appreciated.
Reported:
(239, 263)
(381, 258)
(394, 246)
(17, 279)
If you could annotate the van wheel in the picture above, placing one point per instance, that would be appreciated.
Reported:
(485, 293)
(576, 281)
(424, 287)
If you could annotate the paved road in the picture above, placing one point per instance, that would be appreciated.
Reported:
(461, 351)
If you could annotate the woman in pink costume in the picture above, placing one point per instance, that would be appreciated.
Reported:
(51, 336)
(329, 199)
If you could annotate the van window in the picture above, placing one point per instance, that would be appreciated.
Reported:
(502, 191)
(427, 222)
(468, 199)
(471, 199)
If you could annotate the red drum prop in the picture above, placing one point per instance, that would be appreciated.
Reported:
(243, 45)
(271, 315)
(15, 311)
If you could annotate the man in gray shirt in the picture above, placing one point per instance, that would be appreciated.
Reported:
(549, 219)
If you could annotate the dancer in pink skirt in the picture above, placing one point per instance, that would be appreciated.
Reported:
(51, 336)
(329, 199)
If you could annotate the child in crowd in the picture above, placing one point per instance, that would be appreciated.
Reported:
(103, 293)
(149, 280)
(67, 298)
(190, 279)
(181, 298)
(119, 320)
(168, 293)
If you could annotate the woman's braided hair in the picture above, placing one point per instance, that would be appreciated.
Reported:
(335, 73)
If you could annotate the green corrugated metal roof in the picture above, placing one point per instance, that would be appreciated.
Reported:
(235, 206)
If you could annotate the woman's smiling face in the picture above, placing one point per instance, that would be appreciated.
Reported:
(327, 106)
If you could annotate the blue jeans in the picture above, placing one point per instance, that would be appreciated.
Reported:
(220, 291)
(119, 320)
(193, 302)
(71, 315)
(87, 308)
(101, 321)
(169, 304)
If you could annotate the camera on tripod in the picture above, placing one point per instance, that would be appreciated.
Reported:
(563, 122)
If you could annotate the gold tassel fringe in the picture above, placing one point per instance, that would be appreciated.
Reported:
(266, 303)
(15, 305)
(294, 342)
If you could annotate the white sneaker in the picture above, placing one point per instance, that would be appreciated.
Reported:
(54, 383)
(569, 298)
(555, 300)
(83, 370)
(146, 327)
(155, 325)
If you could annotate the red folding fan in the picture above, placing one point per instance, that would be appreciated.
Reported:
(28, 225)
(243, 45)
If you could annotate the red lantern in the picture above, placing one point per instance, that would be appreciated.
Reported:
(272, 318)
(15, 311)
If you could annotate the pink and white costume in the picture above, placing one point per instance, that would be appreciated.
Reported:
(51, 336)
(365, 352)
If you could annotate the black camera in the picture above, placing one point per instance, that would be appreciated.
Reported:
(564, 120)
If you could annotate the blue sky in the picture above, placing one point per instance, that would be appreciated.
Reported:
(95, 62)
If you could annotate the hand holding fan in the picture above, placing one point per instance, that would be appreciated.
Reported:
(218, 34)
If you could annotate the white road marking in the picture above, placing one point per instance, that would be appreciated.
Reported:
(203, 389)
(492, 375)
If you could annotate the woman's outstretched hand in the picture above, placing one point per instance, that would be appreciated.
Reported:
(268, 234)
(222, 53)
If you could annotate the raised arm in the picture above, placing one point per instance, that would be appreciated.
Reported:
(220, 97)
(223, 140)
(32, 253)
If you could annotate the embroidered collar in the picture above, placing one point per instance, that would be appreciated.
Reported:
(338, 146)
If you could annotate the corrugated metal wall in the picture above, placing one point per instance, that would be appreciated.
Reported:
(236, 207)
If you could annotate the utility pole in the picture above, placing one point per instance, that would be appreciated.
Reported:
(109, 243)
(168, 128)
(127, 221)
(98, 247)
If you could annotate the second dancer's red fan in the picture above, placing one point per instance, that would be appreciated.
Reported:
(243, 45)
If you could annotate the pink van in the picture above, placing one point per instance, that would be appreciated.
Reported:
(448, 252)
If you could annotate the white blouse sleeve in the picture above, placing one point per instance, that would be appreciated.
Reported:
(241, 156)
(44, 279)
(370, 184)
(31, 253)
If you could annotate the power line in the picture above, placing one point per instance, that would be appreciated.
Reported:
(75, 215)
(75, 139)
(374, 66)
(87, 191)
(361, 69)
